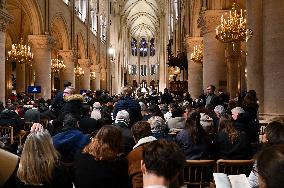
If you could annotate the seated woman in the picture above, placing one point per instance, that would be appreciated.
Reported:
(100, 163)
(39, 164)
(159, 127)
(229, 143)
(193, 139)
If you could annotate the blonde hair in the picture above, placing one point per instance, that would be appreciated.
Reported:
(38, 160)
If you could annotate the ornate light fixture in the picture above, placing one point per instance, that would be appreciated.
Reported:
(92, 75)
(57, 64)
(78, 71)
(197, 54)
(233, 26)
(20, 53)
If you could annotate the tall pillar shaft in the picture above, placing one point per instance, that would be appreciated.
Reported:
(254, 59)
(41, 45)
(98, 77)
(214, 66)
(273, 55)
(20, 78)
(195, 72)
(5, 19)
(85, 79)
(233, 59)
(68, 74)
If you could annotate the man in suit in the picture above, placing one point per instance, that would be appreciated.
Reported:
(211, 98)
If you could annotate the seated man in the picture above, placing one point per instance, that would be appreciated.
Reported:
(70, 140)
(161, 164)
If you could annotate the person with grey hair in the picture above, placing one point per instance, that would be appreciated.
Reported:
(219, 110)
(122, 123)
(96, 113)
(242, 123)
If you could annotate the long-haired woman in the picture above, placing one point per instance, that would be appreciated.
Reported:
(230, 143)
(39, 164)
(193, 140)
(100, 163)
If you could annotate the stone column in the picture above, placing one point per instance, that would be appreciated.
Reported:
(273, 55)
(214, 66)
(5, 19)
(103, 78)
(254, 59)
(85, 79)
(233, 59)
(98, 77)
(20, 78)
(41, 45)
(195, 72)
(68, 57)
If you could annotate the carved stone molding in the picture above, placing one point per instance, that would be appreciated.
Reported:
(5, 19)
(42, 41)
(84, 62)
(208, 20)
(190, 42)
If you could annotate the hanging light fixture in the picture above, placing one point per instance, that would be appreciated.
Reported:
(78, 71)
(197, 54)
(20, 52)
(57, 64)
(92, 75)
(233, 26)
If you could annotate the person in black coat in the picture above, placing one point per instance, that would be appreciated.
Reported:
(100, 163)
(229, 143)
(130, 105)
(166, 98)
(193, 140)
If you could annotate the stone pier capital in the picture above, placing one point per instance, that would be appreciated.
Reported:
(5, 20)
(84, 62)
(209, 19)
(41, 41)
(190, 42)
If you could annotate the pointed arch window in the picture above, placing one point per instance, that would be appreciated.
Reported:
(134, 47)
(152, 47)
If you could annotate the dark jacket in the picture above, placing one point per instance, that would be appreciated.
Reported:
(69, 142)
(166, 98)
(59, 179)
(224, 149)
(131, 106)
(193, 151)
(32, 115)
(89, 125)
(127, 137)
(11, 118)
(90, 173)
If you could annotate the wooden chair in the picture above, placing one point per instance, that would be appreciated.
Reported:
(7, 131)
(232, 167)
(199, 173)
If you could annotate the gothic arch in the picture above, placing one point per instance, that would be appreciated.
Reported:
(59, 27)
(81, 45)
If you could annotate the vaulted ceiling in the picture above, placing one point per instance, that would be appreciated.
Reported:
(142, 17)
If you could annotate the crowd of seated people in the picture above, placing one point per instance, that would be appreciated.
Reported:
(99, 140)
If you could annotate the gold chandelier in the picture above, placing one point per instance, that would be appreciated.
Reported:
(92, 75)
(20, 53)
(78, 71)
(233, 26)
(197, 54)
(57, 65)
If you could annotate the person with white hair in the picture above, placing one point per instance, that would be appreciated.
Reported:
(96, 113)
(122, 120)
(219, 110)
(242, 123)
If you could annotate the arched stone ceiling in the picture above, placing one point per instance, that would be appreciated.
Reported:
(142, 17)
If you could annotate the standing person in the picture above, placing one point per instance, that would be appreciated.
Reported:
(211, 98)
(130, 105)
(58, 101)
(100, 164)
(166, 98)
(39, 164)
(161, 164)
